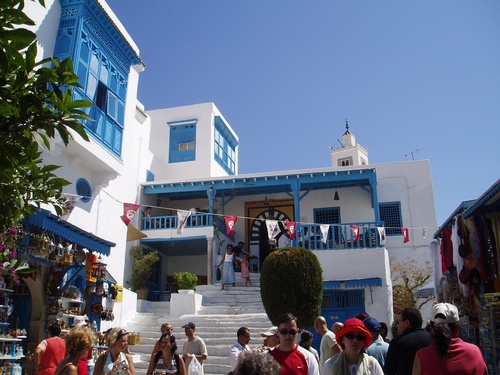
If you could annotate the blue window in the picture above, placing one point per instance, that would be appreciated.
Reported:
(329, 215)
(83, 188)
(224, 146)
(182, 141)
(104, 85)
(390, 214)
(102, 59)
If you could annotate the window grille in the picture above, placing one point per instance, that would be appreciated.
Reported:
(390, 214)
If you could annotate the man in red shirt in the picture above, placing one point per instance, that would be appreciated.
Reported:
(49, 352)
(294, 359)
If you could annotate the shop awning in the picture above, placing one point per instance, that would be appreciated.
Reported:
(489, 201)
(353, 283)
(45, 220)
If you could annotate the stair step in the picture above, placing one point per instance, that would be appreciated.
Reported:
(222, 313)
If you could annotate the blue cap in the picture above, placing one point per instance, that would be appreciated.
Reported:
(372, 324)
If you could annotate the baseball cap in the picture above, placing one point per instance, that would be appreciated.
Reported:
(444, 313)
(372, 324)
(189, 325)
(273, 331)
(78, 321)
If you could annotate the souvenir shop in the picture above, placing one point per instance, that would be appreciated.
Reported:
(69, 279)
(469, 246)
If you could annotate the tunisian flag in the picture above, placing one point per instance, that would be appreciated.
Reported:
(406, 235)
(290, 226)
(129, 211)
(355, 232)
(230, 223)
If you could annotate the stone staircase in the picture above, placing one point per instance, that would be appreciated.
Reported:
(222, 313)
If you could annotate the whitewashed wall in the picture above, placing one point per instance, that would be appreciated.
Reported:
(204, 164)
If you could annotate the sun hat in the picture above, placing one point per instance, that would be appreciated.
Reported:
(444, 313)
(78, 321)
(273, 331)
(355, 325)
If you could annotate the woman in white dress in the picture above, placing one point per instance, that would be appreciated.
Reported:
(229, 262)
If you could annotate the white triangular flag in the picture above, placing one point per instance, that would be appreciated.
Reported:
(182, 217)
(381, 235)
(324, 232)
(272, 228)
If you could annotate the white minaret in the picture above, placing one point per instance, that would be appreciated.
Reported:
(350, 154)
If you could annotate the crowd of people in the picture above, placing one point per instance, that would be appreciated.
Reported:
(357, 346)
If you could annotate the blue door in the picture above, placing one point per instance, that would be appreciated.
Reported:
(337, 306)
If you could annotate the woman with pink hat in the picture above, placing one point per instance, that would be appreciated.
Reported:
(353, 337)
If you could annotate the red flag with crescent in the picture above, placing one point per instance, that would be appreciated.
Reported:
(290, 226)
(406, 235)
(230, 223)
(129, 211)
(355, 232)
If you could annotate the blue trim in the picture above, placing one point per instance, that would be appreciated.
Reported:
(84, 189)
(483, 199)
(461, 208)
(182, 122)
(149, 176)
(354, 283)
(47, 221)
(223, 129)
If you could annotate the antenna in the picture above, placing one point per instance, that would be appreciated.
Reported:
(414, 152)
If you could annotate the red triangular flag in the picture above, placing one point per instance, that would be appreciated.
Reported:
(290, 226)
(230, 223)
(355, 232)
(129, 211)
(406, 235)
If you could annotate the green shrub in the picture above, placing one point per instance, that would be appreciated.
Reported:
(291, 280)
(186, 280)
(142, 266)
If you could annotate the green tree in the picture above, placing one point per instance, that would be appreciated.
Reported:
(291, 280)
(36, 104)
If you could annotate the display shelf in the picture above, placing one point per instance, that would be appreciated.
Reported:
(7, 344)
(70, 300)
(69, 315)
(490, 331)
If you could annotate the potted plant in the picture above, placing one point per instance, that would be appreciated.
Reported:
(186, 281)
(142, 268)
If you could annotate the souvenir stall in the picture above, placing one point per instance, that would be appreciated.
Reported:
(70, 276)
(469, 251)
(483, 219)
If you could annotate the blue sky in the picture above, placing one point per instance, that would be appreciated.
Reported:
(286, 75)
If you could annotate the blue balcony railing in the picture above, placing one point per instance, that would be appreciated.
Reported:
(165, 222)
(340, 236)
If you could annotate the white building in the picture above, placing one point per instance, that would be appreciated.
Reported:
(187, 157)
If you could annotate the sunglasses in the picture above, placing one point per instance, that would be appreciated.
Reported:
(121, 334)
(352, 336)
(285, 332)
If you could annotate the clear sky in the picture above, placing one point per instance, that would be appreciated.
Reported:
(407, 75)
